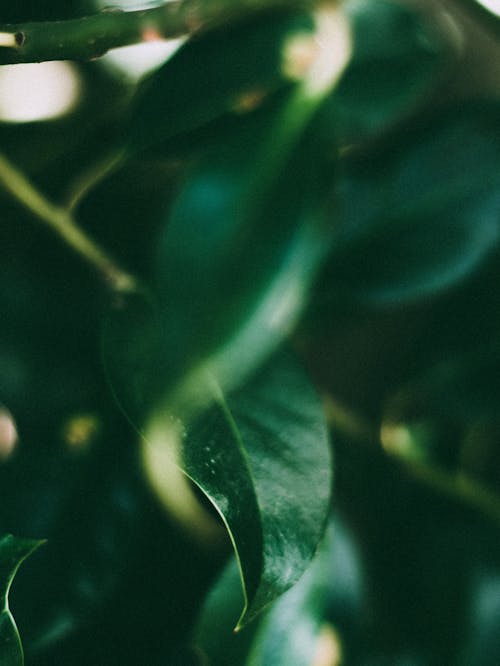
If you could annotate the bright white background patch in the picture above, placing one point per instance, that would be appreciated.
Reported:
(137, 60)
(38, 91)
(492, 5)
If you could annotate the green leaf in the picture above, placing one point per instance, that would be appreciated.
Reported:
(290, 633)
(239, 250)
(240, 245)
(239, 253)
(298, 627)
(262, 458)
(423, 215)
(221, 72)
(398, 58)
(12, 553)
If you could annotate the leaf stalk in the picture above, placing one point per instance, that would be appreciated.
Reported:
(61, 221)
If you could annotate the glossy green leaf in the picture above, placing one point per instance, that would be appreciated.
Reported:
(221, 72)
(262, 458)
(290, 633)
(298, 628)
(12, 553)
(422, 216)
(398, 58)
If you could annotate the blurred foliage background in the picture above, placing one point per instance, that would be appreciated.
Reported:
(398, 330)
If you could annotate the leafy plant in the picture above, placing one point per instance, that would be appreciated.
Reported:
(249, 344)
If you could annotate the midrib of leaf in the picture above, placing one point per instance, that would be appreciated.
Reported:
(222, 402)
(22, 548)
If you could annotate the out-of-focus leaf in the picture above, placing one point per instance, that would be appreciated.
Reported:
(422, 216)
(397, 59)
(262, 458)
(481, 646)
(462, 390)
(12, 553)
(240, 244)
(220, 72)
(239, 253)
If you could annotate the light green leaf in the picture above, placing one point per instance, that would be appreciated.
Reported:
(263, 459)
(12, 553)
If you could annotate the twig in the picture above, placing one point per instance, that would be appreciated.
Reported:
(92, 36)
(92, 176)
(61, 221)
(459, 486)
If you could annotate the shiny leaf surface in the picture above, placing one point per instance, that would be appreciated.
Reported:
(290, 635)
(262, 458)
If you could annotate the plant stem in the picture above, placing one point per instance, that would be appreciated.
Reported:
(92, 176)
(458, 486)
(91, 36)
(62, 222)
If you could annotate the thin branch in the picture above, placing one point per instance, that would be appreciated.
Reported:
(459, 486)
(92, 36)
(91, 177)
(63, 224)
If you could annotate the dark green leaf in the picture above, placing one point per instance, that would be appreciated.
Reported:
(12, 553)
(262, 458)
(397, 60)
(422, 216)
(290, 633)
(285, 635)
(241, 246)
(221, 72)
